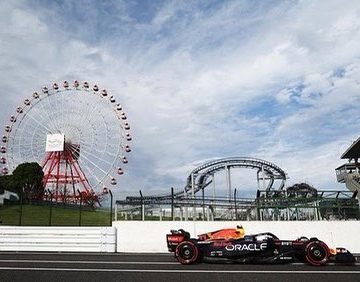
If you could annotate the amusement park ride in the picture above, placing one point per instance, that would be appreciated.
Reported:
(78, 133)
(80, 136)
(273, 200)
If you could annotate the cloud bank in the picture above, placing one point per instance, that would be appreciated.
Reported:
(200, 79)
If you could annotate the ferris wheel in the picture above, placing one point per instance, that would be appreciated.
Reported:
(78, 133)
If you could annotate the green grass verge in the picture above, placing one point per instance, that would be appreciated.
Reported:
(60, 216)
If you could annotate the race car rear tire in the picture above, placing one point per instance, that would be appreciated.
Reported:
(316, 253)
(187, 252)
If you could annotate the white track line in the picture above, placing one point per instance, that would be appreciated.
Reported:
(90, 262)
(121, 262)
(184, 271)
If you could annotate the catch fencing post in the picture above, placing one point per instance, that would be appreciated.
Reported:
(21, 208)
(80, 207)
(50, 214)
(172, 204)
(111, 207)
(203, 203)
(142, 206)
(108, 191)
(235, 204)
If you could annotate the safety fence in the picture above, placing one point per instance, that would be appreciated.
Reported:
(53, 214)
(267, 206)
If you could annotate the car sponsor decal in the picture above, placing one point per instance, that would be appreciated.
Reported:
(246, 247)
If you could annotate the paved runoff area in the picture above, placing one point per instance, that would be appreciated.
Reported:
(16, 266)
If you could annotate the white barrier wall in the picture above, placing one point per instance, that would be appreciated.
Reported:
(58, 239)
(149, 236)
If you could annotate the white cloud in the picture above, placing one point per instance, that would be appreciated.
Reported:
(195, 79)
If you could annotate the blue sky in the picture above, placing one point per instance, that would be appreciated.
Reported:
(276, 80)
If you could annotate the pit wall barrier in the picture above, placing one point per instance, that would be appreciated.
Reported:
(58, 239)
(150, 236)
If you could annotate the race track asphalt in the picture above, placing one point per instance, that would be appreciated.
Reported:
(15, 266)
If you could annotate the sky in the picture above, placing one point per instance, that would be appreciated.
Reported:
(275, 80)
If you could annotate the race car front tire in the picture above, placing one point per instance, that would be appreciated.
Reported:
(316, 253)
(187, 252)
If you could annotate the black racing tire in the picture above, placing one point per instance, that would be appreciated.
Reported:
(317, 253)
(187, 252)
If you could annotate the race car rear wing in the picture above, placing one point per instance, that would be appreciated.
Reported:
(175, 238)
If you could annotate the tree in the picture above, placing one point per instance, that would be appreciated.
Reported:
(27, 180)
(6, 183)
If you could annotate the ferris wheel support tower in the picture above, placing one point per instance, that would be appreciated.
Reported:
(61, 170)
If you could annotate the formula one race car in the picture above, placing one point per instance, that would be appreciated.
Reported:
(232, 245)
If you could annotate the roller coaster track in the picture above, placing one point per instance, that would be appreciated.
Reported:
(205, 171)
(201, 176)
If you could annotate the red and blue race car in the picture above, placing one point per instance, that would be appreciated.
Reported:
(232, 245)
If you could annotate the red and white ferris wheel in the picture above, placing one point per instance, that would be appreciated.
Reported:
(78, 133)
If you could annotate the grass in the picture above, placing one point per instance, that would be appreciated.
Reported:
(32, 215)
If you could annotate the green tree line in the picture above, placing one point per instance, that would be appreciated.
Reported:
(26, 181)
